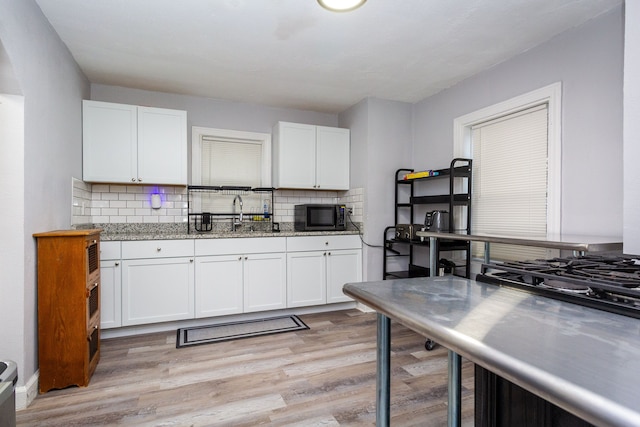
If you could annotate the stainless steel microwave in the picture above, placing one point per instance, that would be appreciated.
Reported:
(320, 218)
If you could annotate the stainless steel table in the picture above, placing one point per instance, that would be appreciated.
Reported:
(578, 244)
(583, 360)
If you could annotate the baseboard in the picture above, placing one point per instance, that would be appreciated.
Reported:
(25, 394)
(168, 326)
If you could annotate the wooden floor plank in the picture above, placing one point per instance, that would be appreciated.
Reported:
(324, 376)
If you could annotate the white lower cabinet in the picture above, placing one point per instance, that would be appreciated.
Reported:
(306, 276)
(110, 294)
(219, 285)
(315, 276)
(343, 266)
(265, 282)
(110, 285)
(157, 290)
(157, 282)
(240, 275)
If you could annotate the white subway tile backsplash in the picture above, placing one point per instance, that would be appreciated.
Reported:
(120, 204)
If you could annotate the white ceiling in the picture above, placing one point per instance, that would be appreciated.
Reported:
(294, 54)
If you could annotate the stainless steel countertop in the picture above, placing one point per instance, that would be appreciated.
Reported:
(211, 235)
(561, 241)
(584, 360)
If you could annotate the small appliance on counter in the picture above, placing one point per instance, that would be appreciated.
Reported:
(436, 221)
(407, 232)
(318, 217)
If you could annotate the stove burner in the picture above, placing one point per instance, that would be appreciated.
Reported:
(607, 282)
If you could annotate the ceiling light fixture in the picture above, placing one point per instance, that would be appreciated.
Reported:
(341, 5)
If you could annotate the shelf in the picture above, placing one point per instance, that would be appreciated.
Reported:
(458, 199)
(458, 172)
(457, 175)
(445, 245)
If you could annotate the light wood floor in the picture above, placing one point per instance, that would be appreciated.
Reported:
(324, 376)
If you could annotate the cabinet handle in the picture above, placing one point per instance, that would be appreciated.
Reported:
(191, 260)
(117, 264)
(158, 249)
(133, 180)
(246, 258)
(139, 179)
(326, 243)
(324, 254)
(239, 258)
(329, 253)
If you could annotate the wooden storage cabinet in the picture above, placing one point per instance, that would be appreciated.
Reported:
(68, 307)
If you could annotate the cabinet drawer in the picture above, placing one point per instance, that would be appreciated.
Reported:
(256, 245)
(157, 249)
(109, 250)
(318, 243)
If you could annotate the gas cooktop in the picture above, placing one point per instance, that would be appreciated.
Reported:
(610, 283)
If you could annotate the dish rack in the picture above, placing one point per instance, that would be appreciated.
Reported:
(213, 208)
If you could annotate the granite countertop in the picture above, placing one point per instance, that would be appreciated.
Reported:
(133, 235)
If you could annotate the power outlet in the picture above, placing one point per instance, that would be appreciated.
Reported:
(350, 210)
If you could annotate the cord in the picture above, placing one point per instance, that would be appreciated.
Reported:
(360, 233)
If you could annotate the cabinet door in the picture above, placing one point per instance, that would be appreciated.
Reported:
(110, 294)
(157, 290)
(342, 267)
(332, 158)
(109, 142)
(265, 282)
(294, 162)
(218, 285)
(162, 146)
(306, 278)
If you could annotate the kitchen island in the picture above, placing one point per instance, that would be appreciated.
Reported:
(583, 360)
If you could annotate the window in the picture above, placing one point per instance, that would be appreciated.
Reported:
(222, 157)
(516, 178)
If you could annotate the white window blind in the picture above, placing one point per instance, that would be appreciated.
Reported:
(510, 175)
(230, 162)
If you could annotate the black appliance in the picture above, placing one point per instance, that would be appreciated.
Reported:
(318, 217)
(610, 283)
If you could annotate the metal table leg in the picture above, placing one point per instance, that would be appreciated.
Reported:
(433, 256)
(383, 374)
(455, 411)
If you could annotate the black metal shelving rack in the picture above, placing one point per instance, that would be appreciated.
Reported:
(459, 176)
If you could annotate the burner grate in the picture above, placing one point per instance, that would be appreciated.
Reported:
(594, 280)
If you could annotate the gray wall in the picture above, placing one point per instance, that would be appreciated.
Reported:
(632, 129)
(380, 138)
(52, 86)
(213, 113)
(588, 61)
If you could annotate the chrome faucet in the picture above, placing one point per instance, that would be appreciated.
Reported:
(237, 223)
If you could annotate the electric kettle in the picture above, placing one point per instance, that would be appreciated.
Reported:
(436, 221)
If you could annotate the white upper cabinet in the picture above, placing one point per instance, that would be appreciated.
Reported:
(134, 145)
(310, 157)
